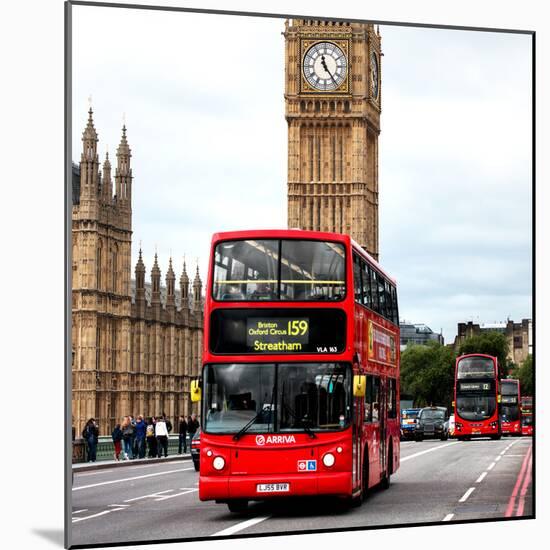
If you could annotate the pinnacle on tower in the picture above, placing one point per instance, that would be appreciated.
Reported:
(89, 163)
(123, 175)
(140, 271)
(155, 280)
(170, 285)
(107, 188)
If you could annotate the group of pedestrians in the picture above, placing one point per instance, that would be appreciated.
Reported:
(187, 426)
(136, 437)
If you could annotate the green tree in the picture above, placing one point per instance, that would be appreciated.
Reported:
(524, 373)
(427, 374)
(491, 343)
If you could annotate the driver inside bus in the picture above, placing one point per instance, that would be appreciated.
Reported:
(263, 291)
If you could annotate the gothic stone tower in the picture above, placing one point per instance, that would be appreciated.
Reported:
(101, 255)
(332, 96)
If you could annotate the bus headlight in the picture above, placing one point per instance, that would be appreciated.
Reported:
(329, 460)
(218, 463)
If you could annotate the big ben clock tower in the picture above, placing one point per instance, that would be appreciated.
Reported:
(332, 97)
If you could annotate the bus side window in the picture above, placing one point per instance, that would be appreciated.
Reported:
(367, 301)
(357, 284)
(388, 300)
(392, 405)
(368, 399)
(375, 399)
(394, 302)
(374, 290)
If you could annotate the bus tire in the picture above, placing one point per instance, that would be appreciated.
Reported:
(385, 483)
(237, 506)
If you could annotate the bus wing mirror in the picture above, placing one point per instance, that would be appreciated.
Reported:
(498, 398)
(359, 385)
(195, 391)
(454, 404)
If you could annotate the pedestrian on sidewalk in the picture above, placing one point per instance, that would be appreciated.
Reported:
(134, 439)
(193, 425)
(161, 432)
(90, 434)
(182, 435)
(127, 435)
(117, 440)
(140, 430)
(151, 439)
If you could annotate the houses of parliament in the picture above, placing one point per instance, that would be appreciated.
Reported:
(135, 345)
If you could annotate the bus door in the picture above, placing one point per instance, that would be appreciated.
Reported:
(383, 412)
(357, 430)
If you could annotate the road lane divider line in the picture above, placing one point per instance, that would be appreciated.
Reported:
(491, 466)
(119, 505)
(80, 511)
(152, 495)
(92, 473)
(240, 526)
(524, 487)
(448, 517)
(176, 495)
(465, 496)
(481, 477)
(498, 458)
(427, 451)
(75, 520)
(523, 469)
(79, 488)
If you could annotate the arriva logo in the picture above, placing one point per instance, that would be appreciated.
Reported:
(262, 440)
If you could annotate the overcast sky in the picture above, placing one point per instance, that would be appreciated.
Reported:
(202, 97)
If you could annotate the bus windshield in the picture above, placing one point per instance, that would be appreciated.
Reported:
(509, 413)
(509, 388)
(276, 397)
(475, 367)
(286, 270)
(476, 407)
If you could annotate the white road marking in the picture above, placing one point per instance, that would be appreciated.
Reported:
(92, 516)
(502, 452)
(465, 496)
(92, 473)
(240, 526)
(79, 511)
(498, 458)
(152, 495)
(481, 477)
(119, 505)
(448, 517)
(130, 478)
(176, 495)
(491, 466)
(428, 451)
(514, 456)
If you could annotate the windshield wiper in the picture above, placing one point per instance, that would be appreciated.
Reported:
(242, 431)
(305, 427)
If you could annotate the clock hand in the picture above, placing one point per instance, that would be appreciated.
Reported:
(323, 62)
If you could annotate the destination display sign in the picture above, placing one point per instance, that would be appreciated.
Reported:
(474, 386)
(509, 399)
(277, 331)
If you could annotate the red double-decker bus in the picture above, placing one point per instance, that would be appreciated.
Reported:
(526, 415)
(476, 397)
(300, 380)
(510, 407)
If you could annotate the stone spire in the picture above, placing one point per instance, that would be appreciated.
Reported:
(107, 184)
(89, 162)
(197, 287)
(184, 287)
(170, 286)
(123, 174)
(155, 280)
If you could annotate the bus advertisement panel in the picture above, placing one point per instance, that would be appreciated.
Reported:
(510, 407)
(292, 400)
(476, 397)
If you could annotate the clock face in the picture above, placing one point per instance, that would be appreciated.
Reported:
(325, 66)
(374, 75)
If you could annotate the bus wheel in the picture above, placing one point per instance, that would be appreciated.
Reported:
(385, 483)
(238, 506)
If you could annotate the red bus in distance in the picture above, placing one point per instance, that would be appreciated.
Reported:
(526, 415)
(476, 397)
(510, 407)
(300, 382)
